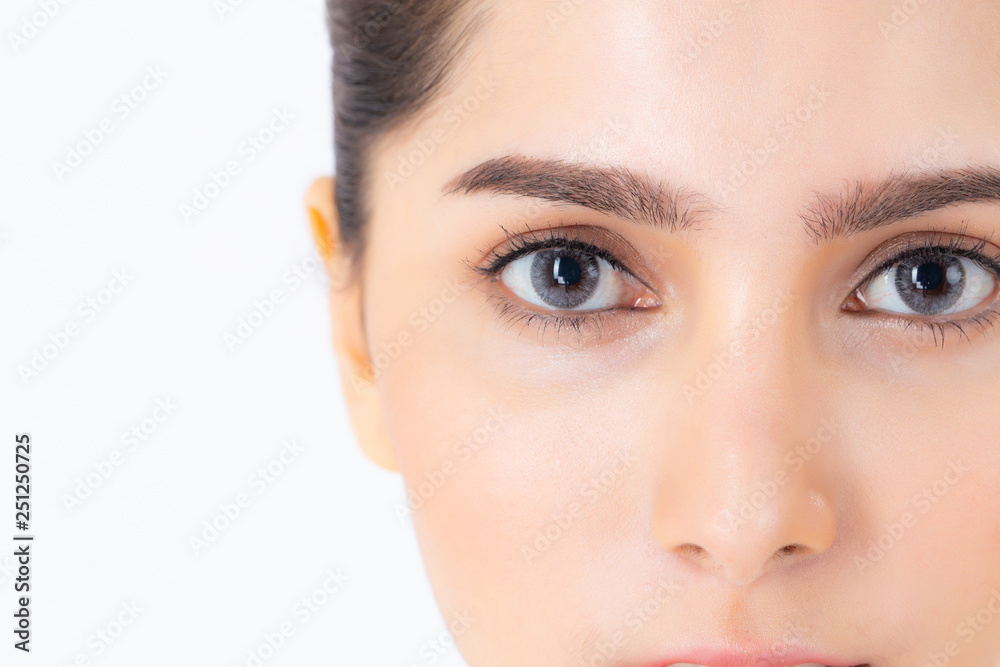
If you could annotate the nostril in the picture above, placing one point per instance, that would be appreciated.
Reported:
(695, 550)
(789, 550)
(698, 554)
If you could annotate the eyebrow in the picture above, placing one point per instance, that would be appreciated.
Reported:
(617, 191)
(866, 205)
(860, 206)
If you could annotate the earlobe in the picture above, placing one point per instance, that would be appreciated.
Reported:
(364, 402)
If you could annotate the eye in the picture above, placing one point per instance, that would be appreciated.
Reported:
(574, 279)
(930, 283)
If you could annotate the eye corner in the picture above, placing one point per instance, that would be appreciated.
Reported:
(855, 302)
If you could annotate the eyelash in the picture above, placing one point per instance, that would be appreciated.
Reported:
(933, 246)
(520, 245)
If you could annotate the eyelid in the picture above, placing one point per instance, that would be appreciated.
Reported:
(612, 246)
(907, 245)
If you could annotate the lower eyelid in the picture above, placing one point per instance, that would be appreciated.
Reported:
(553, 327)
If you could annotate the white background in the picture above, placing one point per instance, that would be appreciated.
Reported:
(162, 337)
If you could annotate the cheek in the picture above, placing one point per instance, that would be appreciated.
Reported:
(928, 521)
(518, 492)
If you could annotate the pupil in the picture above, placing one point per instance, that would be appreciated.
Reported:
(930, 285)
(565, 278)
(566, 271)
(928, 276)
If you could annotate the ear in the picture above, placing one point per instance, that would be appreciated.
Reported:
(357, 377)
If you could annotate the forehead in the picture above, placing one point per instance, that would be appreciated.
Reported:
(692, 91)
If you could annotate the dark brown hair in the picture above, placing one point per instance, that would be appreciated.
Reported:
(390, 59)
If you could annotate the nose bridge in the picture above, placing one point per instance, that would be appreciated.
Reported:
(734, 491)
(748, 332)
(748, 379)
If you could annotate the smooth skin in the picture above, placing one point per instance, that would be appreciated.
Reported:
(622, 494)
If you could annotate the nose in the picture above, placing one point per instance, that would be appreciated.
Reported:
(744, 483)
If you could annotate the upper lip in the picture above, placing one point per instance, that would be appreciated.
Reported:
(778, 658)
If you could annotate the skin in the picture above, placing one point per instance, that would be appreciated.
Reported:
(859, 416)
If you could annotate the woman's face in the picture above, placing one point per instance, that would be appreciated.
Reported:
(678, 376)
